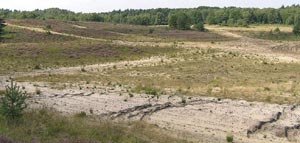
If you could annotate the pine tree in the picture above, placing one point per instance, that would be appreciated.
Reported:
(2, 25)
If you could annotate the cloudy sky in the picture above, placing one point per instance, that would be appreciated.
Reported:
(109, 5)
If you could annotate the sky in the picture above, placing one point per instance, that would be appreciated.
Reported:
(109, 5)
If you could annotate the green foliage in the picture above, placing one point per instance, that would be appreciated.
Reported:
(229, 139)
(277, 30)
(242, 22)
(296, 29)
(80, 115)
(147, 89)
(151, 31)
(1, 27)
(172, 21)
(48, 27)
(200, 27)
(14, 102)
(179, 21)
(231, 16)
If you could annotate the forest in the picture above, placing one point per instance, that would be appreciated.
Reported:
(228, 16)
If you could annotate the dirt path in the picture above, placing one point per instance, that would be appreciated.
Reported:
(152, 61)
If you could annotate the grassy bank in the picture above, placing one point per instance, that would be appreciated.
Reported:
(44, 126)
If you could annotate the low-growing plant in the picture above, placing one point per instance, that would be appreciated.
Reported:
(131, 95)
(5, 140)
(81, 115)
(83, 69)
(14, 102)
(38, 91)
(151, 30)
(37, 67)
(147, 89)
(229, 138)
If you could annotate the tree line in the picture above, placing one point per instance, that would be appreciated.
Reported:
(228, 16)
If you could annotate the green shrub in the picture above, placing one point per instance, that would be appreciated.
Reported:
(81, 115)
(277, 30)
(38, 91)
(48, 27)
(229, 138)
(200, 27)
(37, 67)
(296, 29)
(151, 31)
(147, 89)
(13, 102)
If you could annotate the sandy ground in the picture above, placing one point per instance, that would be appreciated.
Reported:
(199, 119)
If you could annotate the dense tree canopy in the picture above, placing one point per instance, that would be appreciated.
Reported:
(230, 16)
(179, 21)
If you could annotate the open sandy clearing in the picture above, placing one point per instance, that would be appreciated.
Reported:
(200, 119)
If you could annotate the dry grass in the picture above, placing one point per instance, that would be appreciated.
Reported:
(252, 28)
(215, 73)
(45, 126)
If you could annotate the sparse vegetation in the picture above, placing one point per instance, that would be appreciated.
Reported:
(245, 78)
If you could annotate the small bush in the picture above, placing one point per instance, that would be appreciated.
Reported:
(229, 139)
(83, 69)
(296, 29)
(131, 95)
(14, 102)
(38, 91)
(80, 115)
(151, 31)
(48, 27)
(48, 32)
(37, 67)
(147, 89)
(200, 27)
(183, 101)
(277, 30)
